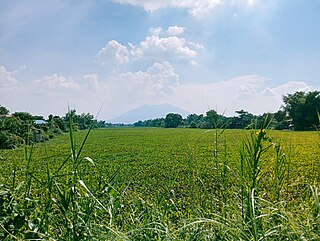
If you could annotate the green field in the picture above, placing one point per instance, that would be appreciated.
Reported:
(163, 184)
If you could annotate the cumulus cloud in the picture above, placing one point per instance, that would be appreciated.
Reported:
(91, 81)
(175, 30)
(288, 88)
(155, 31)
(170, 47)
(7, 78)
(113, 52)
(55, 83)
(154, 47)
(195, 7)
(158, 80)
(164, 74)
(249, 92)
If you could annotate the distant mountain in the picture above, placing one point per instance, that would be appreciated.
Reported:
(147, 112)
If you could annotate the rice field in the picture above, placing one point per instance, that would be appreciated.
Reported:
(163, 184)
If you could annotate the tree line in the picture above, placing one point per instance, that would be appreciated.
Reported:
(300, 111)
(22, 127)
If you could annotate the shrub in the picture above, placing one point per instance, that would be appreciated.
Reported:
(9, 140)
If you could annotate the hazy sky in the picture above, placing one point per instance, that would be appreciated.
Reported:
(195, 54)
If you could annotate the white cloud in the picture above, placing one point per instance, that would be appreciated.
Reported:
(249, 92)
(162, 48)
(7, 78)
(175, 30)
(113, 52)
(163, 73)
(154, 47)
(155, 31)
(195, 7)
(288, 88)
(55, 83)
(91, 81)
(88, 94)
(251, 2)
(158, 80)
(196, 45)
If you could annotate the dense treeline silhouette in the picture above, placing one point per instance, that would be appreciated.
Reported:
(20, 127)
(299, 112)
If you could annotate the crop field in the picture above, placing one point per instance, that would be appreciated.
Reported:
(163, 184)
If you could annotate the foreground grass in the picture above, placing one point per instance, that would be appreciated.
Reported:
(163, 184)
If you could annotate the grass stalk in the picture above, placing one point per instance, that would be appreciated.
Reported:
(251, 152)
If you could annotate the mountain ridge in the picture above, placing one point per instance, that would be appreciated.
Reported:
(146, 112)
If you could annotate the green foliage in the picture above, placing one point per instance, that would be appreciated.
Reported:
(86, 121)
(172, 120)
(158, 122)
(251, 153)
(24, 116)
(299, 111)
(23, 126)
(302, 108)
(12, 125)
(244, 120)
(9, 140)
(212, 118)
(3, 111)
(57, 123)
(11, 131)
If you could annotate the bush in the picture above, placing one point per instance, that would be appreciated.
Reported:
(9, 141)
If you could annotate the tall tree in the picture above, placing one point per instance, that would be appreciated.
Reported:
(243, 120)
(85, 121)
(212, 118)
(302, 108)
(172, 120)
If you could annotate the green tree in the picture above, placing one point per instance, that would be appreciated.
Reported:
(71, 114)
(57, 122)
(303, 109)
(12, 130)
(212, 118)
(242, 121)
(194, 120)
(172, 120)
(280, 116)
(85, 121)
(9, 140)
(12, 125)
(281, 120)
(24, 116)
(3, 110)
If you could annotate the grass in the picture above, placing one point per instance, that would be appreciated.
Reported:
(163, 184)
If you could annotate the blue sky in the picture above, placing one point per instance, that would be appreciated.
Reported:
(198, 55)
